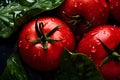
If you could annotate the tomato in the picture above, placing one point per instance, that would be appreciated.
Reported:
(102, 45)
(83, 15)
(42, 41)
(114, 6)
(93, 11)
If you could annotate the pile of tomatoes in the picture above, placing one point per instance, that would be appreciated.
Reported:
(85, 26)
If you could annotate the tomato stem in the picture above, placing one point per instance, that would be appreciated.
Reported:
(76, 19)
(112, 54)
(43, 38)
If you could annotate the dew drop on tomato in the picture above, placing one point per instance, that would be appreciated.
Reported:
(93, 49)
(100, 10)
(75, 5)
(80, 4)
(97, 42)
(19, 45)
(90, 56)
(35, 55)
(26, 47)
(104, 4)
(117, 4)
(20, 42)
(111, 7)
(96, 1)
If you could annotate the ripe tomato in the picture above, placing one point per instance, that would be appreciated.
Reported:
(83, 15)
(93, 11)
(114, 6)
(102, 45)
(42, 42)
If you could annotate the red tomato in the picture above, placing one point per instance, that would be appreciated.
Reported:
(115, 9)
(94, 11)
(88, 14)
(93, 45)
(41, 47)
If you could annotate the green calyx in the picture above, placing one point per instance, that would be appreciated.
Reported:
(112, 54)
(76, 20)
(43, 38)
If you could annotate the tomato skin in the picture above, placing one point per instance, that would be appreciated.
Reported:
(94, 11)
(114, 6)
(34, 55)
(111, 71)
(91, 46)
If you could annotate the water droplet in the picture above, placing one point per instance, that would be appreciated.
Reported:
(117, 4)
(13, 59)
(90, 56)
(31, 0)
(80, 3)
(98, 42)
(26, 47)
(96, 1)
(28, 30)
(112, 29)
(39, 53)
(114, 25)
(94, 33)
(35, 55)
(104, 4)
(100, 10)
(93, 49)
(75, 5)
(90, 45)
(111, 7)
(20, 43)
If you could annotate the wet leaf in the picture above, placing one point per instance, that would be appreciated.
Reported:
(14, 69)
(77, 66)
(14, 13)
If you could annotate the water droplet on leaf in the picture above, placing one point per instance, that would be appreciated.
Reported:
(13, 59)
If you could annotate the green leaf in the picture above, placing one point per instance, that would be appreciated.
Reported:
(15, 13)
(77, 66)
(14, 69)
